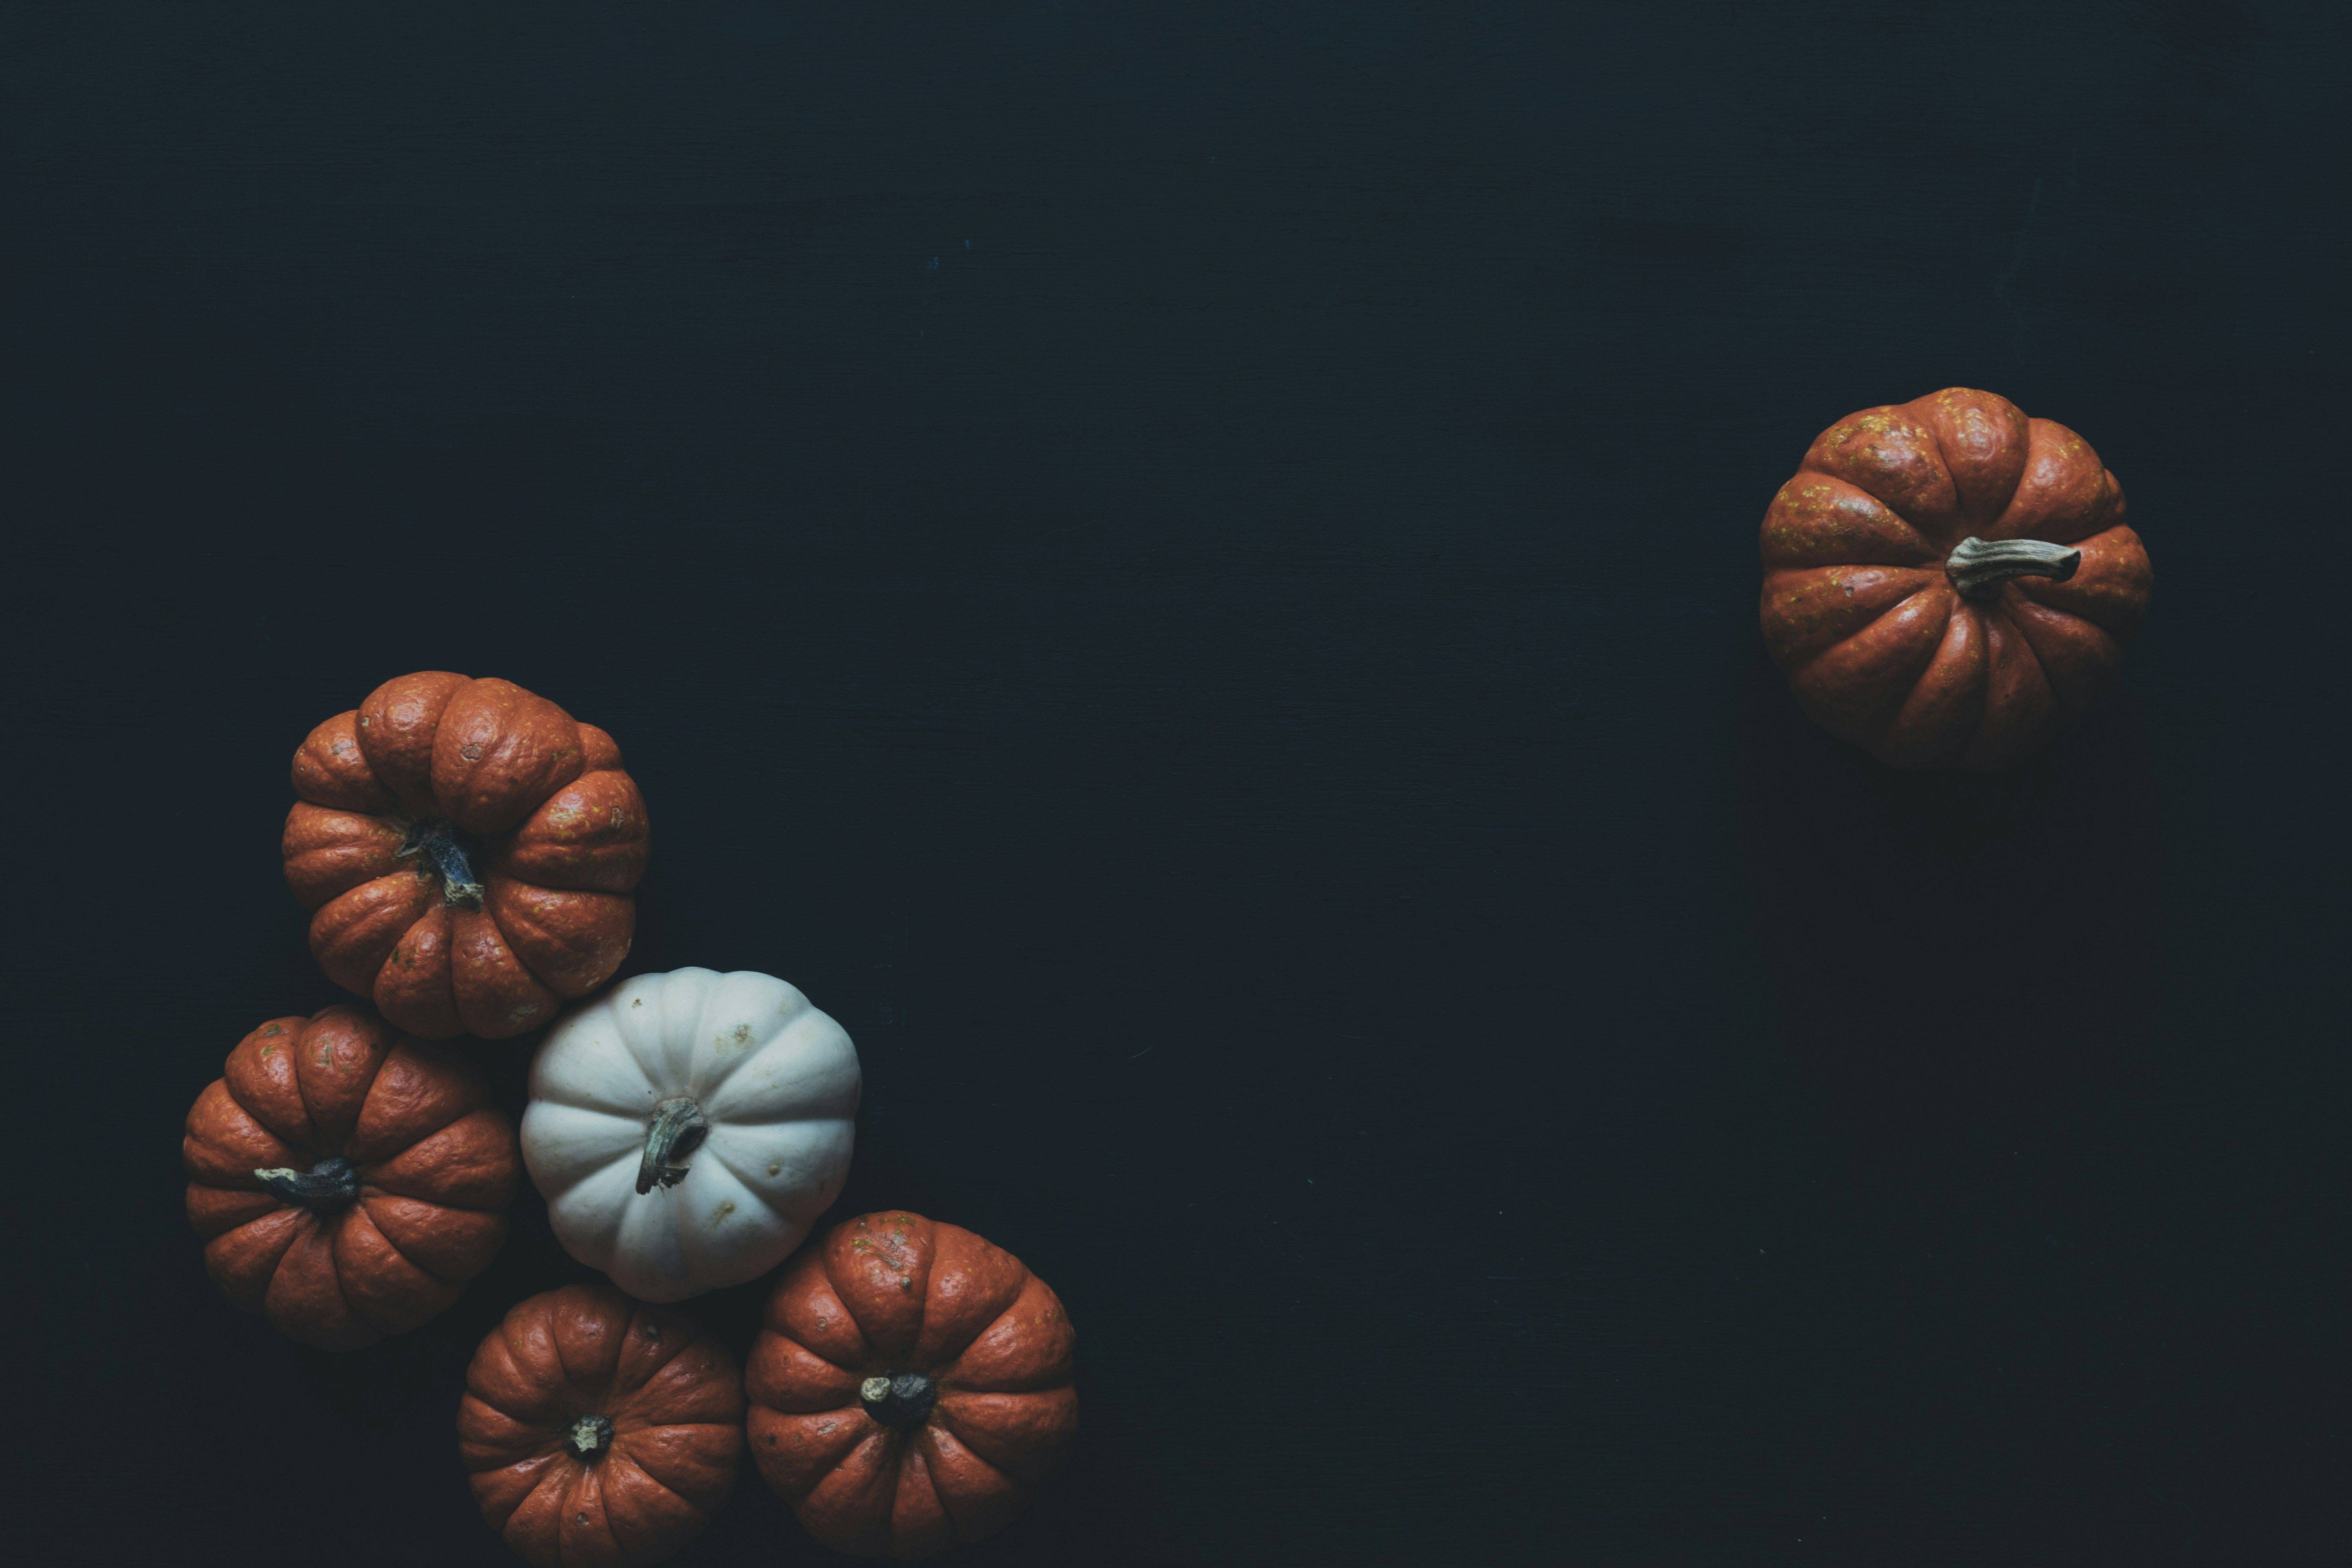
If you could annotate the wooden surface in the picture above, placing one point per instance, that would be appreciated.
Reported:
(1189, 574)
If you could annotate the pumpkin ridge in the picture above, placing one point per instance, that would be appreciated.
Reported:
(471, 1094)
(220, 1157)
(310, 1111)
(2030, 633)
(360, 1204)
(917, 1457)
(628, 1159)
(944, 1417)
(539, 1468)
(1779, 552)
(250, 1081)
(622, 1451)
(1927, 587)
(1972, 699)
(590, 951)
(404, 1302)
(273, 1247)
(673, 1345)
(746, 1182)
(1006, 1481)
(335, 1260)
(614, 1479)
(1962, 501)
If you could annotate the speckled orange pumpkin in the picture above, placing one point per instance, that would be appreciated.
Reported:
(347, 1181)
(1947, 581)
(600, 1432)
(468, 851)
(910, 1388)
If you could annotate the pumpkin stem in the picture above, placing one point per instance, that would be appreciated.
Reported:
(588, 1436)
(329, 1184)
(898, 1399)
(450, 855)
(1978, 569)
(677, 1129)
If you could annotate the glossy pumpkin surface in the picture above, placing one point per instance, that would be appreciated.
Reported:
(911, 1386)
(467, 851)
(1947, 581)
(347, 1182)
(600, 1432)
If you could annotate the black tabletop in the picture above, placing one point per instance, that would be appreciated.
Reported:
(1190, 575)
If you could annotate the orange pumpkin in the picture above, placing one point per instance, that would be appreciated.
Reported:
(468, 851)
(600, 1432)
(347, 1182)
(910, 1387)
(1947, 581)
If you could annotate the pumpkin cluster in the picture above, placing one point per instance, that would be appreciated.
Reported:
(468, 853)
(1946, 583)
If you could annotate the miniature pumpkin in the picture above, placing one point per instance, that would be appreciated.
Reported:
(1946, 581)
(347, 1182)
(911, 1386)
(687, 1128)
(467, 851)
(598, 1430)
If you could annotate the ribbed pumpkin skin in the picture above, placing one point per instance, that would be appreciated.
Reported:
(893, 1292)
(557, 827)
(675, 1403)
(1858, 611)
(437, 1163)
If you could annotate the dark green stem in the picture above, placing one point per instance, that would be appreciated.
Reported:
(329, 1184)
(450, 853)
(588, 1436)
(677, 1129)
(1978, 569)
(898, 1399)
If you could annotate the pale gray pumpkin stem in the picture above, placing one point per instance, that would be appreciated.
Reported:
(1978, 569)
(678, 1127)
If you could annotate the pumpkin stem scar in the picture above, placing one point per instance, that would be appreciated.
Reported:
(1978, 569)
(677, 1129)
(899, 1400)
(588, 1436)
(329, 1184)
(450, 855)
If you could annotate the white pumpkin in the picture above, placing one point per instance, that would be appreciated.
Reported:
(686, 1129)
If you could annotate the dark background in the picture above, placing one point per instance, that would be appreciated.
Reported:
(1189, 574)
